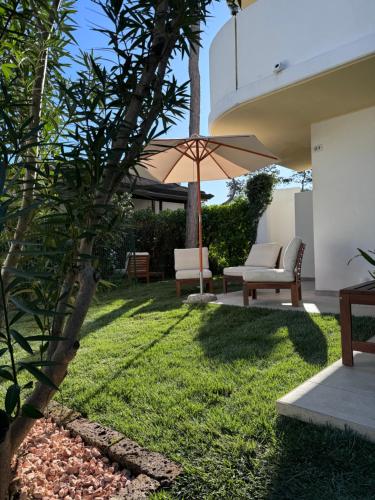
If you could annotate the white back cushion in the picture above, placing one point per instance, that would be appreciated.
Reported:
(263, 255)
(188, 258)
(291, 252)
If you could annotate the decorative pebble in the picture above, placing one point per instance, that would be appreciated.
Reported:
(51, 464)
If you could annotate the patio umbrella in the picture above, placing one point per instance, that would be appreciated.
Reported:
(199, 158)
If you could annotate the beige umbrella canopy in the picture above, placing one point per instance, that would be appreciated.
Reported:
(199, 158)
(219, 157)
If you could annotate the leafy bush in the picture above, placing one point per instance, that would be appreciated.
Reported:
(159, 234)
(229, 231)
(259, 190)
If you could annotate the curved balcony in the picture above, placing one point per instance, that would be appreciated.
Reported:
(313, 41)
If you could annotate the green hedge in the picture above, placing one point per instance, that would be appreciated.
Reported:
(159, 234)
(229, 230)
(226, 231)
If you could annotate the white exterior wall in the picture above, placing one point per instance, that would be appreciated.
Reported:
(305, 229)
(166, 205)
(290, 214)
(309, 37)
(278, 222)
(170, 205)
(344, 198)
(142, 204)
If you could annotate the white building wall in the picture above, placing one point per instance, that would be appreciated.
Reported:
(170, 205)
(308, 37)
(278, 222)
(290, 213)
(142, 204)
(344, 197)
(305, 229)
(166, 205)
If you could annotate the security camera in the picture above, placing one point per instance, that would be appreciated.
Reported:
(279, 67)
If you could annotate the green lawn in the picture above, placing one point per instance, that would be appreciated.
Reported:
(200, 384)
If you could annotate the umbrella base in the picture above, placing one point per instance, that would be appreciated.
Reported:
(198, 298)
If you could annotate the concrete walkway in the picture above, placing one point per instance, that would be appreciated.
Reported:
(312, 302)
(339, 395)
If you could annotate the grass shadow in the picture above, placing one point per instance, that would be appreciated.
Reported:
(128, 363)
(319, 462)
(229, 333)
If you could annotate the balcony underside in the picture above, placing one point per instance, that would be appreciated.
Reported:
(282, 120)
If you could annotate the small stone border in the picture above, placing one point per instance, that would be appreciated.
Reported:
(152, 470)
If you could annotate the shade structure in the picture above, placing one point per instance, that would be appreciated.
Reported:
(200, 158)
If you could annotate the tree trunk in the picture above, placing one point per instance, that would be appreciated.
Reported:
(194, 127)
(5, 462)
(63, 352)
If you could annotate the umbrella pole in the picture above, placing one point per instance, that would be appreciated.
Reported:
(199, 202)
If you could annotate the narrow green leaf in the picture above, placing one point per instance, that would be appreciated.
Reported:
(21, 273)
(38, 321)
(38, 374)
(12, 398)
(4, 373)
(367, 256)
(30, 308)
(21, 341)
(45, 338)
(16, 317)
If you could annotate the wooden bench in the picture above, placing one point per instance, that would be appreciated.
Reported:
(363, 294)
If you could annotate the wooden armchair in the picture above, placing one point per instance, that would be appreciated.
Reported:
(186, 263)
(261, 256)
(287, 278)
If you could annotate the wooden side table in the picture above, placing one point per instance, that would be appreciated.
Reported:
(358, 294)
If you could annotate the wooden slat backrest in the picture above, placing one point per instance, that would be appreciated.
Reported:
(301, 251)
(138, 265)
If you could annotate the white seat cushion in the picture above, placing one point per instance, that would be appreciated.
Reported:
(263, 255)
(188, 258)
(239, 270)
(269, 276)
(291, 253)
(187, 274)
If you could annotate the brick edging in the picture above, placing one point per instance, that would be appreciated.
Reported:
(152, 470)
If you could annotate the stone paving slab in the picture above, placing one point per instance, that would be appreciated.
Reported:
(340, 396)
(312, 301)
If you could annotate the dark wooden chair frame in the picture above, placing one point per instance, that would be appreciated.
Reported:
(139, 267)
(227, 278)
(250, 287)
(364, 294)
(207, 283)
